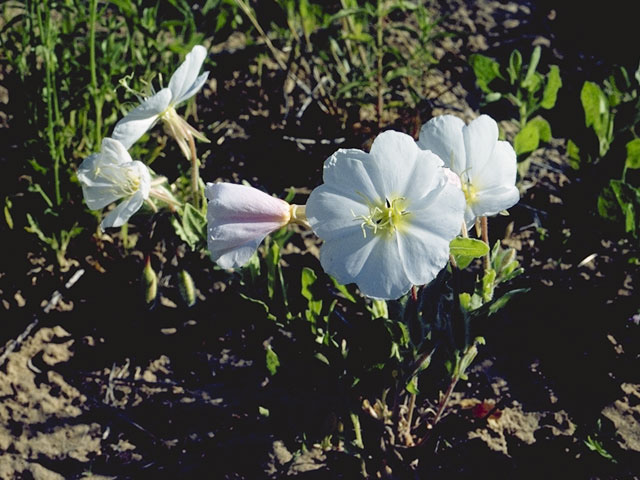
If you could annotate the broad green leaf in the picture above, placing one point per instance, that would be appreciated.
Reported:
(527, 139)
(608, 204)
(554, 82)
(486, 70)
(628, 198)
(633, 154)
(594, 103)
(464, 250)
(191, 227)
(544, 129)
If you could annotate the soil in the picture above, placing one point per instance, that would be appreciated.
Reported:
(95, 385)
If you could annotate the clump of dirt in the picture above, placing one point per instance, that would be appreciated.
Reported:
(41, 415)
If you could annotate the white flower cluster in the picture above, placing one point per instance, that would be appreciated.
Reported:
(111, 175)
(386, 217)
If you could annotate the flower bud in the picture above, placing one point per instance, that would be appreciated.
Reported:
(149, 283)
(187, 288)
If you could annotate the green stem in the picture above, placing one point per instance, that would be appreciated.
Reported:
(195, 173)
(93, 10)
(379, 55)
(484, 225)
(52, 107)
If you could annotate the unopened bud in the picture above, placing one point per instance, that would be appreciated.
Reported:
(187, 288)
(507, 259)
(149, 283)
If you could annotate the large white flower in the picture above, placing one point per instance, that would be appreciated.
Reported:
(184, 83)
(386, 217)
(238, 219)
(111, 175)
(486, 166)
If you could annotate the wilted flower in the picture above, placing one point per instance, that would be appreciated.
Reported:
(386, 217)
(240, 217)
(184, 83)
(112, 175)
(486, 166)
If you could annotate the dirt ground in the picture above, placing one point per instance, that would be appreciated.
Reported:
(100, 387)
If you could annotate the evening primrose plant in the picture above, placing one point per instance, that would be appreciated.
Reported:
(394, 225)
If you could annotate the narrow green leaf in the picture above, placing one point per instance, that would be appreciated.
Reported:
(343, 290)
(412, 386)
(529, 79)
(554, 82)
(308, 279)
(527, 139)
(515, 64)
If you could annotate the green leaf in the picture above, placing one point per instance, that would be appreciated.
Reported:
(515, 64)
(272, 360)
(595, 105)
(464, 250)
(191, 227)
(412, 386)
(486, 70)
(554, 82)
(633, 154)
(530, 81)
(308, 279)
(573, 152)
(343, 290)
(379, 309)
(527, 139)
(500, 302)
(544, 129)
(628, 198)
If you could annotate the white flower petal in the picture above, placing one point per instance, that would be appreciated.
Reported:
(349, 167)
(424, 244)
(372, 263)
(395, 156)
(238, 219)
(113, 151)
(500, 170)
(494, 200)
(184, 78)
(480, 138)
(231, 244)
(331, 214)
(129, 130)
(443, 136)
(197, 85)
(119, 215)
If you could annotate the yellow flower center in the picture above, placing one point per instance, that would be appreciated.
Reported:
(385, 217)
(469, 192)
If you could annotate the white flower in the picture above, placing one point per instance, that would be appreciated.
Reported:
(386, 217)
(111, 175)
(238, 219)
(486, 166)
(184, 83)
